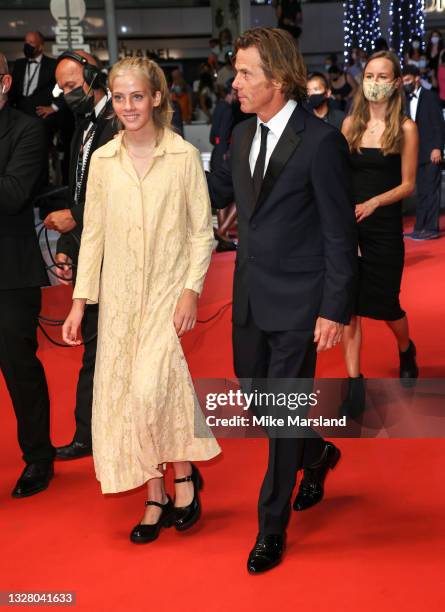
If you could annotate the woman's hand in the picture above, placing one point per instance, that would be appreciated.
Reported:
(366, 209)
(70, 329)
(186, 312)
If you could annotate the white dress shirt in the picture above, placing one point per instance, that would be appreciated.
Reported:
(276, 127)
(32, 73)
(413, 103)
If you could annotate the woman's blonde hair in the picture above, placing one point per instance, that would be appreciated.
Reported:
(154, 75)
(395, 114)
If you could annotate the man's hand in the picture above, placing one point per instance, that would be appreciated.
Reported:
(60, 220)
(436, 156)
(44, 111)
(327, 333)
(64, 271)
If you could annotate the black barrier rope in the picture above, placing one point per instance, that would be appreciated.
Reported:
(59, 322)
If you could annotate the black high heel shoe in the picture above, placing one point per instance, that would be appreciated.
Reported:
(142, 534)
(187, 516)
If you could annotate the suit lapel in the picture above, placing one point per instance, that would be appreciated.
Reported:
(283, 151)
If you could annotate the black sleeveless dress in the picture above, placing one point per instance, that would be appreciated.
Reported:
(380, 236)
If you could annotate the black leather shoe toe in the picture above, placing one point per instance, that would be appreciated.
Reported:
(75, 450)
(34, 478)
(266, 554)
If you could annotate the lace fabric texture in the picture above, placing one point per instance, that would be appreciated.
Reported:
(143, 242)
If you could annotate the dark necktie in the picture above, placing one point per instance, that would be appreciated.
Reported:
(258, 172)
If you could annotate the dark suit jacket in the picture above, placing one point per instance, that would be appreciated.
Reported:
(105, 131)
(297, 252)
(430, 123)
(45, 85)
(22, 163)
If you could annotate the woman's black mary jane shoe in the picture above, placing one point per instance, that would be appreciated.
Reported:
(142, 534)
(187, 516)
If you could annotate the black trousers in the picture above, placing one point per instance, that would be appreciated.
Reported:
(429, 179)
(84, 393)
(285, 354)
(23, 372)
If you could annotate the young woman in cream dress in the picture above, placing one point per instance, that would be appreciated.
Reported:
(145, 250)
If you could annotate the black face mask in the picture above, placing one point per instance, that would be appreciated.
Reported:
(316, 100)
(409, 88)
(29, 50)
(79, 102)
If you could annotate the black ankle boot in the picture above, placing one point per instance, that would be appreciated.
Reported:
(408, 366)
(354, 403)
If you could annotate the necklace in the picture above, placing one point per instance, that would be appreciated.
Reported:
(372, 129)
(148, 154)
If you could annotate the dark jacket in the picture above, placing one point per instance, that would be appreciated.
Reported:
(297, 253)
(430, 123)
(105, 130)
(42, 96)
(22, 164)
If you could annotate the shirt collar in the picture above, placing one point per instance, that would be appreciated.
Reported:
(100, 105)
(279, 121)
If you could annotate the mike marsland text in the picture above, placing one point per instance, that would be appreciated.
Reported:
(270, 421)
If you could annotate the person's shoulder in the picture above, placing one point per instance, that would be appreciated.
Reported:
(50, 61)
(409, 127)
(21, 61)
(244, 125)
(25, 122)
(107, 150)
(175, 143)
(318, 129)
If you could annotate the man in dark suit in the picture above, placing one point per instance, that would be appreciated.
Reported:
(424, 108)
(85, 91)
(296, 260)
(33, 81)
(22, 274)
(318, 98)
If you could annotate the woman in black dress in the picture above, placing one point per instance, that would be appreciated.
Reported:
(383, 144)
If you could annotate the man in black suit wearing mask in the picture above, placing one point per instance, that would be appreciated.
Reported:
(423, 107)
(85, 91)
(296, 261)
(33, 81)
(22, 274)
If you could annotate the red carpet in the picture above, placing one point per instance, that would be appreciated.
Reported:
(376, 541)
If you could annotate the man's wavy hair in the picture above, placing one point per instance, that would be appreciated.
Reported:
(280, 58)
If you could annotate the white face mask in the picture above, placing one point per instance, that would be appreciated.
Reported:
(415, 44)
(434, 40)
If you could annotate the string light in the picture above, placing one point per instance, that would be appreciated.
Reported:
(407, 22)
(361, 24)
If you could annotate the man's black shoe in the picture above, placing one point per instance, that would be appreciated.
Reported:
(266, 553)
(34, 478)
(311, 488)
(75, 450)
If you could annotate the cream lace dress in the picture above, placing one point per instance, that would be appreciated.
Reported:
(143, 242)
